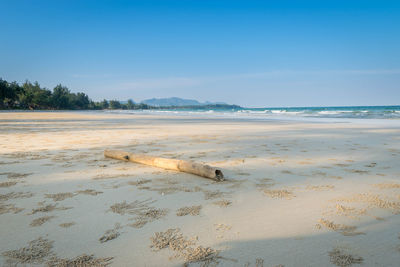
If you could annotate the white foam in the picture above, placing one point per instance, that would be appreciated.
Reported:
(278, 111)
(328, 112)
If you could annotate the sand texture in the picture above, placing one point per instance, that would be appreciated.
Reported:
(296, 193)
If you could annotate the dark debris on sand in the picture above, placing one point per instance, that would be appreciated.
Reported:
(184, 247)
(80, 261)
(342, 259)
(35, 253)
(192, 210)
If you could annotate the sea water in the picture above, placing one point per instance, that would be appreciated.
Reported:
(356, 112)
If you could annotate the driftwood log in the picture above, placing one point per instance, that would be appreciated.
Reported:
(170, 164)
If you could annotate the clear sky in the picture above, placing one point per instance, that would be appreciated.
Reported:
(251, 53)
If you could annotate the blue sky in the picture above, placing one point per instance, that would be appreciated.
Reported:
(251, 53)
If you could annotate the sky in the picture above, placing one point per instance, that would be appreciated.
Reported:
(250, 53)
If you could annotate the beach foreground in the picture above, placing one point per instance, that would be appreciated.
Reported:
(296, 193)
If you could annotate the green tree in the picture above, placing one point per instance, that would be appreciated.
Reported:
(61, 97)
(114, 104)
(104, 104)
(41, 97)
(33, 96)
(25, 97)
(83, 100)
(8, 94)
(142, 106)
(78, 101)
(130, 104)
(17, 90)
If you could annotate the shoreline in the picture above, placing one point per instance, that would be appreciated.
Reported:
(221, 115)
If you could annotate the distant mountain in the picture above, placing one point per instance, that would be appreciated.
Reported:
(176, 101)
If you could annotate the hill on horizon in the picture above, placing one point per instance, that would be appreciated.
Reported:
(176, 101)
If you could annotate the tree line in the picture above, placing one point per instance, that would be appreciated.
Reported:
(33, 96)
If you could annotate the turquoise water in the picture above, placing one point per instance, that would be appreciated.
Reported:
(364, 112)
(359, 112)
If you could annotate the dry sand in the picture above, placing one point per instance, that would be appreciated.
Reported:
(296, 194)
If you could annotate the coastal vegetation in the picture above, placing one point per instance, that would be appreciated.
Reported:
(34, 97)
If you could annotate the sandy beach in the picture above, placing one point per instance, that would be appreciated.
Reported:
(297, 193)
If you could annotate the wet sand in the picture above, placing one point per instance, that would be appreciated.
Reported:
(296, 193)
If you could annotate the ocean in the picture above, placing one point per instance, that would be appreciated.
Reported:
(355, 112)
